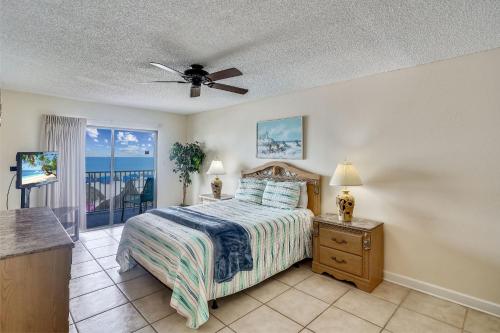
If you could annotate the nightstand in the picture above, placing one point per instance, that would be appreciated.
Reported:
(352, 251)
(209, 198)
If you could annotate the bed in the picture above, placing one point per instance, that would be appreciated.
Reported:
(182, 258)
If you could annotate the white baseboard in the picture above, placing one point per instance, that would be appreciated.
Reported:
(447, 294)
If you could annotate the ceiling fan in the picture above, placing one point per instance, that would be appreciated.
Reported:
(198, 77)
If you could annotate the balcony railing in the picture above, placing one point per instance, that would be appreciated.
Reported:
(104, 187)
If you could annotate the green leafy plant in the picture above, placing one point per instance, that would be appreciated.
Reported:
(188, 158)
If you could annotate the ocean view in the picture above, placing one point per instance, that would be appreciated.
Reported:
(95, 164)
(134, 166)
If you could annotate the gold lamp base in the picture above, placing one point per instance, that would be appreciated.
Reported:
(345, 206)
(217, 188)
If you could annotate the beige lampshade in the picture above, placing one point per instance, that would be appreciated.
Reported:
(345, 175)
(216, 168)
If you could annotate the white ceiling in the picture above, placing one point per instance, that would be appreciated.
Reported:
(99, 50)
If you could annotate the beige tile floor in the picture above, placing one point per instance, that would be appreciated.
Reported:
(297, 300)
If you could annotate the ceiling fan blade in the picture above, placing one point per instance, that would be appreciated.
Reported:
(163, 82)
(224, 74)
(195, 91)
(228, 88)
(168, 69)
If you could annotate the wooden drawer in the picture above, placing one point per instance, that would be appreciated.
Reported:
(344, 241)
(341, 260)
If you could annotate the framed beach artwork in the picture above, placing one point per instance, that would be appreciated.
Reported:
(280, 139)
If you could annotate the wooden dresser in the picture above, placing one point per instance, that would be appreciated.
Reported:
(35, 268)
(352, 251)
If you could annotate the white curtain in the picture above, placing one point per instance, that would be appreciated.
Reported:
(67, 136)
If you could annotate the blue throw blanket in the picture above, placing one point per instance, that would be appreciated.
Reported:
(231, 241)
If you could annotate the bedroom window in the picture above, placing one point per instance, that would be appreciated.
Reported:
(120, 170)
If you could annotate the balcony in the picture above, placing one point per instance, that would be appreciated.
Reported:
(104, 190)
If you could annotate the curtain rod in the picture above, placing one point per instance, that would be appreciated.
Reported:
(114, 123)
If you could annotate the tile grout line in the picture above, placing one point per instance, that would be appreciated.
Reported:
(253, 310)
(399, 305)
(396, 310)
(265, 303)
(115, 285)
(262, 303)
(286, 316)
(72, 320)
(158, 320)
(90, 292)
(108, 237)
(305, 326)
(289, 288)
(128, 300)
(150, 324)
(465, 318)
(114, 307)
(328, 307)
(281, 293)
(351, 288)
(102, 269)
(319, 299)
(307, 277)
(426, 315)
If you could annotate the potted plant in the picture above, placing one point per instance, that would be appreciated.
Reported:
(188, 159)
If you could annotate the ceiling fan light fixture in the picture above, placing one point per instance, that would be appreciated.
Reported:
(198, 77)
(195, 91)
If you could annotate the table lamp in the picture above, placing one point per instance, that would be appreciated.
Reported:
(216, 168)
(345, 175)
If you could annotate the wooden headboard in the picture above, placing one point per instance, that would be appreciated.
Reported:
(281, 171)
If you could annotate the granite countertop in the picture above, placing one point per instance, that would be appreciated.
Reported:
(30, 230)
(357, 223)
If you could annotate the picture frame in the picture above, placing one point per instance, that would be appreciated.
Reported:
(281, 138)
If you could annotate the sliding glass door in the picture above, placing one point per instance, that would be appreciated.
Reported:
(98, 158)
(120, 174)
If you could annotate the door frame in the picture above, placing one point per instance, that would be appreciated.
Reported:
(112, 167)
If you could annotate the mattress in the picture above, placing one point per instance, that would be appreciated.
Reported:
(182, 258)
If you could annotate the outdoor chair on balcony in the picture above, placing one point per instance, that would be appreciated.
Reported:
(147, 195)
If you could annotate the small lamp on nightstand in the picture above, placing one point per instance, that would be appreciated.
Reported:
(345, 175)
(216, 168)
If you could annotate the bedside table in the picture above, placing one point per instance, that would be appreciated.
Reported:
(352, 251)
(209, 198)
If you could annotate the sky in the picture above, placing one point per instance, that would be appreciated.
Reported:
(127, 143)
(282, 129)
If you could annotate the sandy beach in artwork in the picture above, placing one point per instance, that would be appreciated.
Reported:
(37, 179)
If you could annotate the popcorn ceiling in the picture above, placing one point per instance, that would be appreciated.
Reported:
(99, 50)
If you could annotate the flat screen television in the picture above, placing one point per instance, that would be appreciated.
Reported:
(36, 169)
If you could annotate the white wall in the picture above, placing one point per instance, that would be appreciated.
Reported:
(426, 143)
(20, 131)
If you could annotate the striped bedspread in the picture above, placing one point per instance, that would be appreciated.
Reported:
(182, 258)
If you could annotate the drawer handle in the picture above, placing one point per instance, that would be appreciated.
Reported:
(339, 261)
(343, 241)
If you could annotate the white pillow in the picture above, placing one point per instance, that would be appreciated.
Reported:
(303, 199)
